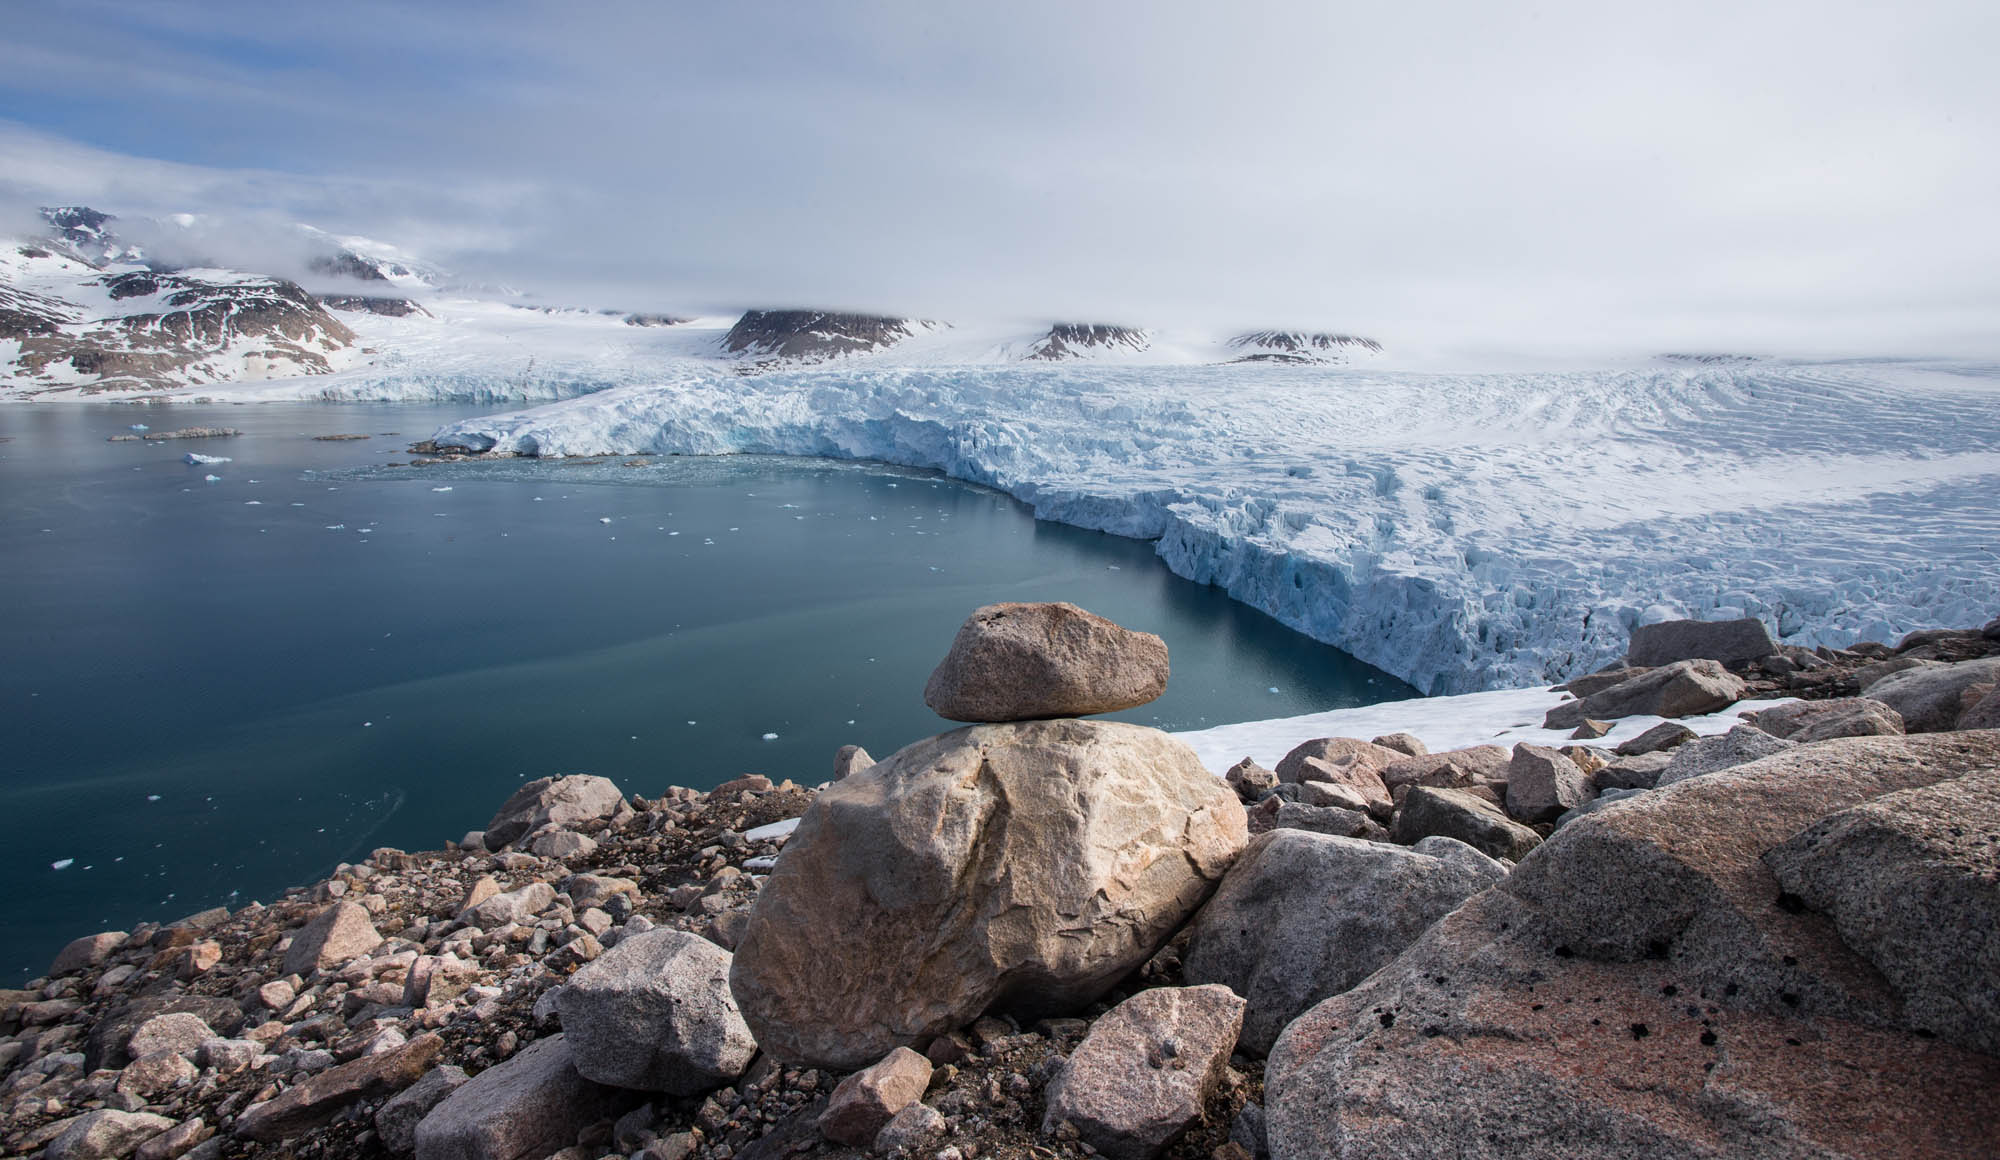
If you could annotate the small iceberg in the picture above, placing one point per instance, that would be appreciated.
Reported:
(140, 427)
(197, 459)
(603, 519)
(770, 736)
(62, 863)
(212, 478)
(441, 489)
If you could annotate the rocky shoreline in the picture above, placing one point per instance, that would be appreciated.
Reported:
(1043, 935)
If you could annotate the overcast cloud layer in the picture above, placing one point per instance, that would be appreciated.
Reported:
(1785, 177)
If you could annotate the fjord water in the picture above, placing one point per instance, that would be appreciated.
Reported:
(217, 688)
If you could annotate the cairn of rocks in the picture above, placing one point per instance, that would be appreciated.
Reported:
(1045, 935)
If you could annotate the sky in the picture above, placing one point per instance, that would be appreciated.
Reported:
(1768, 177)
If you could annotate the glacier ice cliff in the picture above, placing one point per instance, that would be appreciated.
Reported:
(1463, 532)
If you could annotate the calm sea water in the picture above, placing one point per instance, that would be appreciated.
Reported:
(216, 688)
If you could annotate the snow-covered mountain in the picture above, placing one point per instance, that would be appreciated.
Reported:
(363, 319)
(69, 326)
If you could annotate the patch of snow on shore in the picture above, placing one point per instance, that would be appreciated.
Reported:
(1502, 717)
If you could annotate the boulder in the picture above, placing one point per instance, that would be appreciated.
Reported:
(1408, 744)
(519, 905)
(1911, 880)
(1867, 676)
(1743, 744)
(849, 760)
(1726, 641)
(587, 890)
(1641, 772)
(864, 1103)
(335, 937)
(180, 1033)
(177, 1141)
(562, 844)
(1451, 769)
(1332, 793)
(1929, 698)
(1665, 735)
(111, 1035)
(1304, 916)
(1274, 813)
(1597, 682)
(87, 951)
(910, 1130)
(1608, 798)
(1250, 780)
(1336, 754)
(1808, 721)
(396, 1120)
(314, 1101)
(1983, 713)
(1590, 730)
(1681, 689)
(1645, 986)
(105, 1135)
(1542, 783)
(1452, 813)
(1353, 774)
(655, 1013)
(1859, 717)
(158, 1072)
(1024, 662)
(1029, 865)
(523, 1109)
(1142, 1075)
(563, 802)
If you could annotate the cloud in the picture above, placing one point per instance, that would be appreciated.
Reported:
(1779, 176)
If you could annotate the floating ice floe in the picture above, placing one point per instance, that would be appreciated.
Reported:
(253, 503)
(447, 488)
(770, 736)
(211, 478)
(196, 459)
(62, 863)
(603, 519)
(140, 427)
(336, 527)
(152, 797)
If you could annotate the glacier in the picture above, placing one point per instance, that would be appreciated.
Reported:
(1462, 531)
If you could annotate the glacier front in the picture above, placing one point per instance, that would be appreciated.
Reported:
(1462, 531)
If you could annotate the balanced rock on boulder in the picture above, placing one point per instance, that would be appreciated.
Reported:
(1030, 866)
(1028, 662)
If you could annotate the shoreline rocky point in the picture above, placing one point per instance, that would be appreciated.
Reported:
(1043, 935)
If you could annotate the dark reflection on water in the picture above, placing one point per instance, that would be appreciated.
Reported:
(206, 699)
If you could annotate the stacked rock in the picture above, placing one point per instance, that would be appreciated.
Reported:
(1025, 863)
